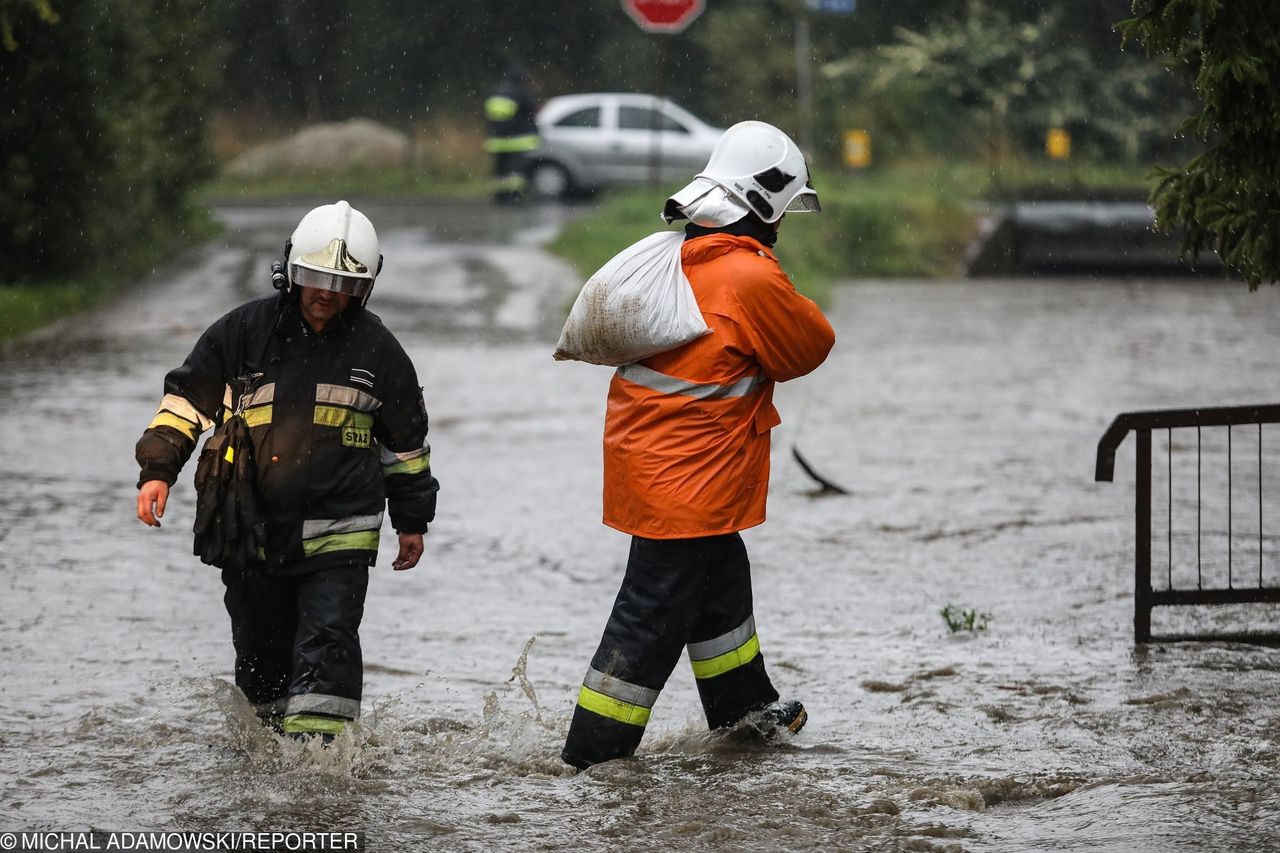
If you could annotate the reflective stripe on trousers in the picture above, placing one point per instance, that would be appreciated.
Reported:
(319, 703)
(673, 590)
(719, 655)
(309, 724)
(616, 699)
(297, 642)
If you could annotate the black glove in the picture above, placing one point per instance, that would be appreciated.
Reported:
(229, 528)
(250, 526)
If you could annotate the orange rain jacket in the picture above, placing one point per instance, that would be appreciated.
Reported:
(686, 436)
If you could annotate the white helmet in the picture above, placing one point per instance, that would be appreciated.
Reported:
(335, 248)
(754, 167)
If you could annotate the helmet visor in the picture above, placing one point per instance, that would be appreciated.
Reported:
(330, 280)
(805, 202)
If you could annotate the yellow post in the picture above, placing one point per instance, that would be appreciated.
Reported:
(857, 149)
(1057, 144)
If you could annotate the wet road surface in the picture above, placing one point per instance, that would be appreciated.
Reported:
(962, 416)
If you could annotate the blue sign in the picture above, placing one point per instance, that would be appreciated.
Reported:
(833, 7)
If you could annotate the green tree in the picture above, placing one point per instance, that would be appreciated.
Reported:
(103, 131)
(48, 167)
(15, 13)
(750, 84)
(1226, 198)
(404, 60)
(993, 82)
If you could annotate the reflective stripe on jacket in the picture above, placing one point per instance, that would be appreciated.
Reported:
(512, 144)
(686, 439)
(511, 114)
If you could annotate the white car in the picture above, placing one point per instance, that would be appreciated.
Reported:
(611, 139)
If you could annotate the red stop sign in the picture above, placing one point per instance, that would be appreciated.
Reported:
(663, 16)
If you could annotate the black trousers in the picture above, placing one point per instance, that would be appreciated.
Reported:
(297, 643)
(508, 176)
(676, 593)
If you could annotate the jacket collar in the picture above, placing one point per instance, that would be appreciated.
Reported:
(699, 250)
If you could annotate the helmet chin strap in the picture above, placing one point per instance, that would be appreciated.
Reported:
(377, 272)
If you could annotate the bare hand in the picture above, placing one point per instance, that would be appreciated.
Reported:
(152, 498)
(411, 549)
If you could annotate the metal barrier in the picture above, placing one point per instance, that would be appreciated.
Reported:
(1246, 581)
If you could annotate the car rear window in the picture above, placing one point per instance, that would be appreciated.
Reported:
(640, 118)
(589, 117)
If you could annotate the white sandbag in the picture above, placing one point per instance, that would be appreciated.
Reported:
(638, 304)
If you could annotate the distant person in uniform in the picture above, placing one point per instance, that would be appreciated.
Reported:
(513, 133)
(337, 431)
(686, 458)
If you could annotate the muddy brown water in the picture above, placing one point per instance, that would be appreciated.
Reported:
(961, 415)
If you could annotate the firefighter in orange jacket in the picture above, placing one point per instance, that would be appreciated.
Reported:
(686, 458)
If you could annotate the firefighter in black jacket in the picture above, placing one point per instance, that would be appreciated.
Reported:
(513, 133)
(338, 432)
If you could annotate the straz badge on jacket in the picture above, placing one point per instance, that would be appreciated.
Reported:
(353, 436)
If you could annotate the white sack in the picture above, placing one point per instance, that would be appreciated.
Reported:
(638, 304)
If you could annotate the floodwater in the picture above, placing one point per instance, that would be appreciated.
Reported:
(962, 416)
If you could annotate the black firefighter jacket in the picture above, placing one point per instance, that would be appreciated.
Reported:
(337, 421)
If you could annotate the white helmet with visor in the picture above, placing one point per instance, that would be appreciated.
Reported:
(754, 167)
(334, 248)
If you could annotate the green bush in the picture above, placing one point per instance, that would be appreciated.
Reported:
(958, 619)
(885, 228)
(102, 135)
(989, 80)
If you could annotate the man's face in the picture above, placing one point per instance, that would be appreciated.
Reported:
(321, 306)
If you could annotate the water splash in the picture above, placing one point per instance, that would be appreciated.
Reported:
(520, 671)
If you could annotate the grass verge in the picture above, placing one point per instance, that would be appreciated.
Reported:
(406, 183)
(1070, 182)
(905, 223)
(28, 306)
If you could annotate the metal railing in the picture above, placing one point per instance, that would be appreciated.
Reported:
(1246, 579)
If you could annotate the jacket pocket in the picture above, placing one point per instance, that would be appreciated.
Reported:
(766, 418)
